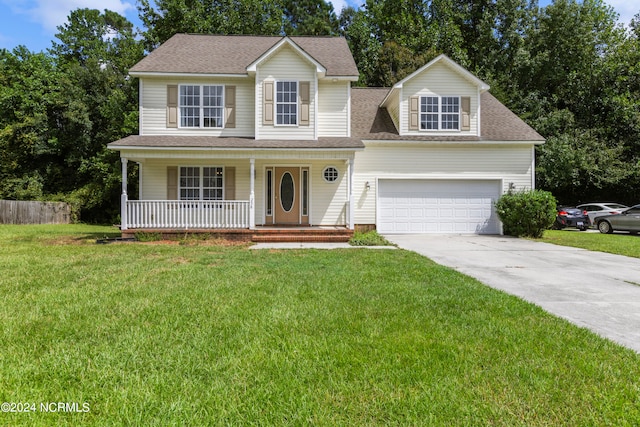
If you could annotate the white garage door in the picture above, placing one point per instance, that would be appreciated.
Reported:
(437, 206)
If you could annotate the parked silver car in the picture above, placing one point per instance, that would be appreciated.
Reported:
(597, 209)
(627, 220)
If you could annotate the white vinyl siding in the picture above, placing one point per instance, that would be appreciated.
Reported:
(286, 65)
(509, 163)
(333, 109)
(153, 107)
(393, 107)
(328, 199)
(438, 81)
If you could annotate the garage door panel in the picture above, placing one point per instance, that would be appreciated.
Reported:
(477, 213)
(431, 213)
(402, 213)
(438, 206)
(445, 212)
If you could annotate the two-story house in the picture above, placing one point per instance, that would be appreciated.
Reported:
(246, 132)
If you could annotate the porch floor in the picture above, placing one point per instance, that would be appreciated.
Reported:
(262, 234)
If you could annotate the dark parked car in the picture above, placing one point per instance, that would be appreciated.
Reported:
(571, 217)
(627, 220)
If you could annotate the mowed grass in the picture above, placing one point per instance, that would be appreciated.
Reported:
(195, 334)
(616, 243)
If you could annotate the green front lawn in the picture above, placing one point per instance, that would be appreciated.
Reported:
(617, 243)
(198, 334)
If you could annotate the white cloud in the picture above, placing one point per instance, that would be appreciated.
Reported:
(626, 8)
(52, 13)
(338, 5)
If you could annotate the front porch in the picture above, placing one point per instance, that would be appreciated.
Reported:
(258, 234)
(229, 192)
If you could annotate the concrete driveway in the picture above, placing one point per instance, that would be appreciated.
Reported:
(591, 289)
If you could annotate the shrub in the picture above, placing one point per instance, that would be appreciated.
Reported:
(526, 213)
(369, 238)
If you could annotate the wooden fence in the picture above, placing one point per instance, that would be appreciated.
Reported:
(19, 212)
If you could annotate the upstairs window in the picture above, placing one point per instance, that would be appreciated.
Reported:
(439, 113)
(201, 106)
(287, 103)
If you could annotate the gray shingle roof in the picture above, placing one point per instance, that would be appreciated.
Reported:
(171, 141)
(498, 123)
(214, 54)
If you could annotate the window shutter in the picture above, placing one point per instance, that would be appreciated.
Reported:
(414, 113)
(230, 106)
(172, 183)
(229, 183)
(305, 95)
(267, 105)
(465, 104)
(172, 106)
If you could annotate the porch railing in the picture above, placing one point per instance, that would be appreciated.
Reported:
(187, 214)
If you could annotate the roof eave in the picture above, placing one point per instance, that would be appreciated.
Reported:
(189, 148)
(171, 74)
(341, 78)
(451, 142)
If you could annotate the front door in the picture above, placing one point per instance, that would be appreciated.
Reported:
(287, 195)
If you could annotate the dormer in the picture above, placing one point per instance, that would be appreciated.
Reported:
(440, 99)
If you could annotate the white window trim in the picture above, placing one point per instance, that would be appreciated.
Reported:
(440, 113)
(201, 107)
(275, 103)
(201, 182)
(324, 176)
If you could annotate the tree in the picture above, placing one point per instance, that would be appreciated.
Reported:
(168, 17)
(29, 97)
(309, 17)
(358, 30)
(94, 54)
(256, 17)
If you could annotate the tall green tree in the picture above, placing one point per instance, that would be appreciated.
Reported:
(358, 30)
(94, 52)
(164, 18)
(29, 102)
(309, 17)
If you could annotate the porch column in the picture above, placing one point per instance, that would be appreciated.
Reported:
(350, 224)
(123, 198)
(252, 197)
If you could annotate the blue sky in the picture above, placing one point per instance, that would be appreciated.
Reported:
(33, 22)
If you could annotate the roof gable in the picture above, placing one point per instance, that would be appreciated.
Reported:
(450, 64)
(444, 59)
(286, 41)
(233, 55)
